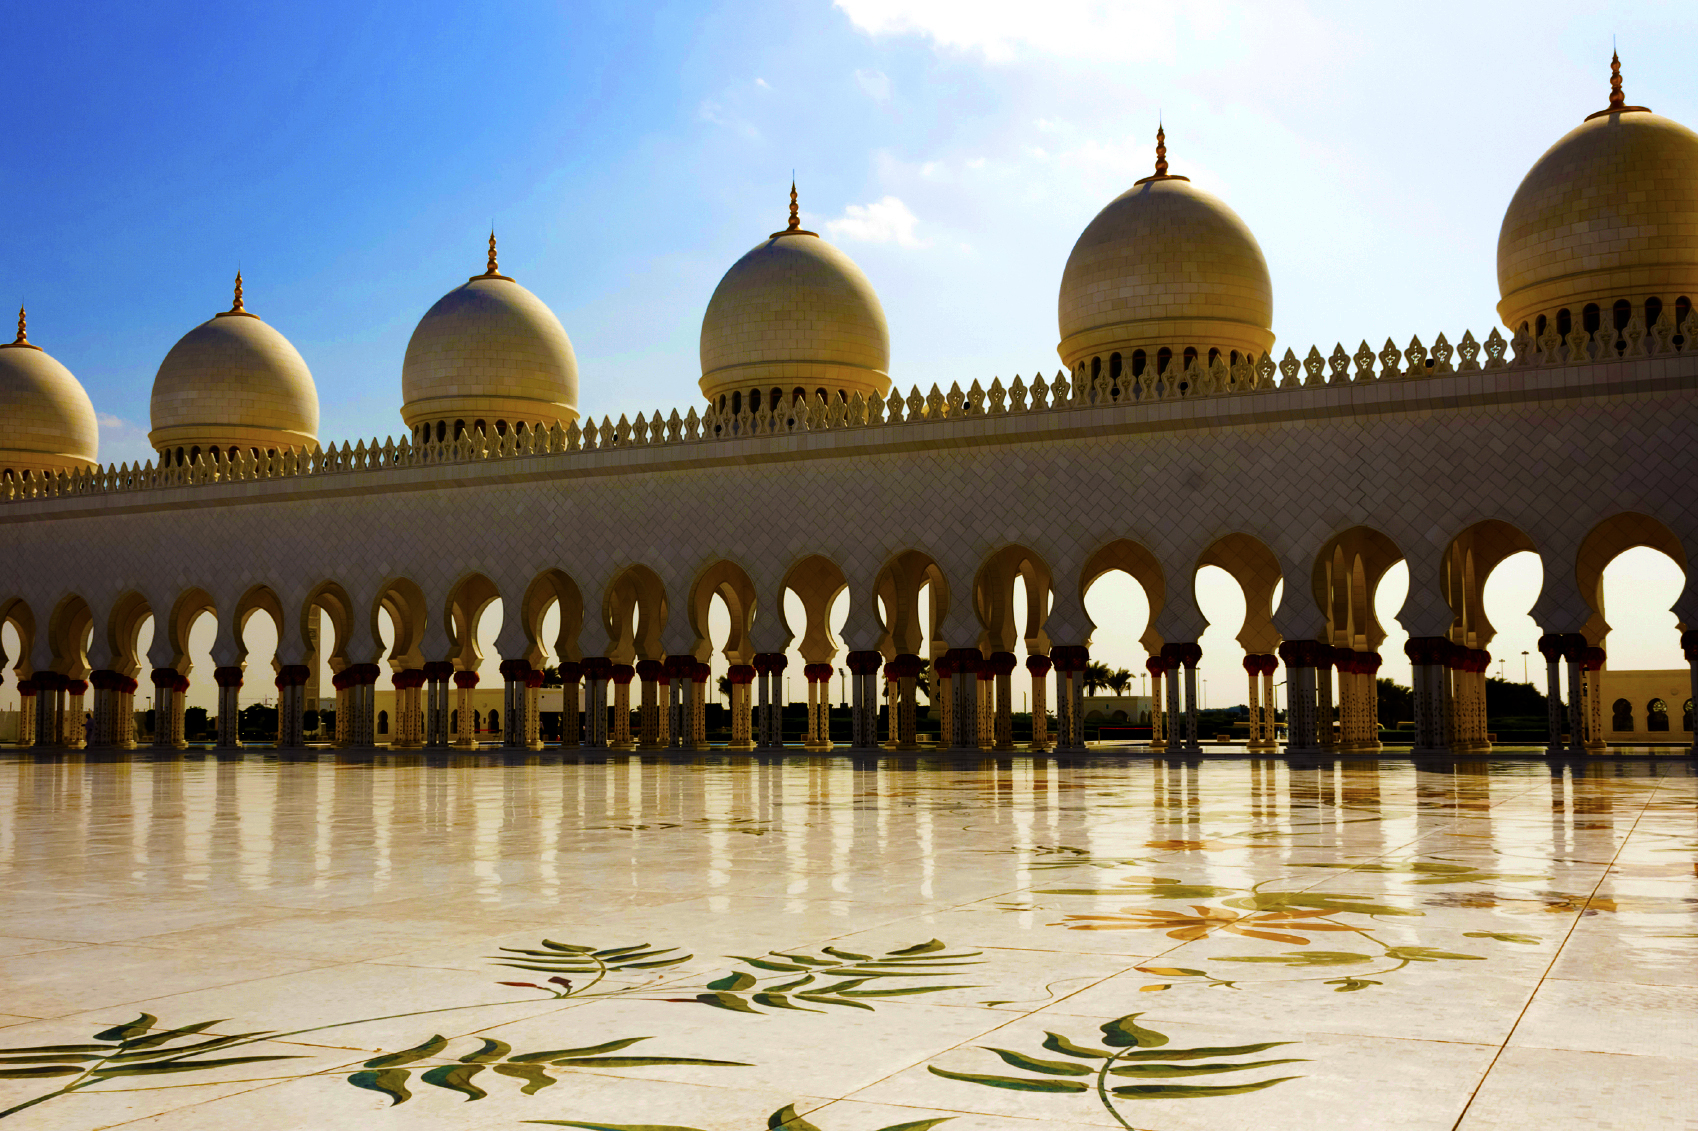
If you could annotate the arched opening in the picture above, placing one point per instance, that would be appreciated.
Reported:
(755, 400)
(1653, 311)
(1163, 356)
(494, 721)
(1657, 715)
(1539, 325)
(474, 616)
(1123, 590)
(1589, 318)
(1621, 716)
(1138, 362)
(383, 722)
(1564, 323)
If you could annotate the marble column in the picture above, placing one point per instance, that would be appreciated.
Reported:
(1689, 645)
(1039, 668)
(1299, 659)
(104, 731)
(1550, 647)
(438, 674)
(164, 706)
(904, 710)
(1368, 691)
(229, 732)
(678, 669)
(291, 684)
(74, 723)
(1253, 668)
(621, 676)
(819, 706)
(1429, 658)
(699, 676)
(766, 725)
(742, 677)
(465, 731)
(515, 729)
(943, 699)
(1000, 667)
(1592, 665)
(964, 698)
(27, 696)
(127, 713)
(1573, 652)
(1070, 662)
(571, 718)
(1193, 653)
(1156, 667)
(863, 685)
(649, 674)
(1326, 734)
(533, 710)
(597, 671)
(1173, 660)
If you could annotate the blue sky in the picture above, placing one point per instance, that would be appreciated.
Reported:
(350, 158)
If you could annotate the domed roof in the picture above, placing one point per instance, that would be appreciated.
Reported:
(795, 309)
(233, 381)
(46, 420)
(1164, 264)
(1609, 212)
(489, 349)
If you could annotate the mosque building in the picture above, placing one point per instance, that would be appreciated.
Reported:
(805, 470)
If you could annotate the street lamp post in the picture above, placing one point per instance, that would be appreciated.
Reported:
(1524, 678)
(843, 684)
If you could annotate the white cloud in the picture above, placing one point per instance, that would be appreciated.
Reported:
(875, 84)
(716, 113)
(107, 420)
(763, 84)
(999, 29)
(883, 221)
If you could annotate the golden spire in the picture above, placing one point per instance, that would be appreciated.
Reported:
(494, 269)
(22, 340)
(236, 309)
(1161, 173)
(1618, 100)
(795, 226)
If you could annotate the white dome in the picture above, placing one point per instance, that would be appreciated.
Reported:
(1165, 264)
(489, 350)
(233, 381)
(46, 420)
(795, 311)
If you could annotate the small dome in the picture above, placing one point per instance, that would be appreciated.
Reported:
(232, 382)
(795, 313)
(1164, 265)
(489, 351)
(1608, 214)
(46, 420)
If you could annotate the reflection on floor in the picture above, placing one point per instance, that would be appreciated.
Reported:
(734, 943)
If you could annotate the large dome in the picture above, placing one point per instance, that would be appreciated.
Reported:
(488, 353)
(794, 313)
(1164, 265)
(232, 382)
(1609, 214)
(46, 420)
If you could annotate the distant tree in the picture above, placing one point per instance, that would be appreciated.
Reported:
(1097, 676)
(195, 721)
(551, 678)
(327, 720)
(1120, 681)
(309, 720)
(1397, 702)
(258, 721)
(1513, 700)
(147, 720)
(725, 686)
(923, 681)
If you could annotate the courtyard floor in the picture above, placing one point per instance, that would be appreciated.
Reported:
(285, 942)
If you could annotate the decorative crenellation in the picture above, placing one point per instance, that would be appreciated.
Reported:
(1178, 379)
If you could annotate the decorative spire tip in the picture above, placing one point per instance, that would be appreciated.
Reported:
(493, 271)
(1618, 99)
(22, 341)
(794, 228)
(1161, 173)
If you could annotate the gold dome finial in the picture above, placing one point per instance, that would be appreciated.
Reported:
(1161, 173)
(22, 341)
(1618, 99)
(237, 310)
(794, 228)
(493, 271)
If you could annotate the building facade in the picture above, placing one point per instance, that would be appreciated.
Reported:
(1177, 437)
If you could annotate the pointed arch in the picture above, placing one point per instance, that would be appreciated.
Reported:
(993, 600)
(1141, 565)
(333, 601)
(404, 601)
(123, 633)
(68, 630)
(258, 599)
(185, 611)
(1346, 574)
(1607, 541)
(1468, 562)
(817, 581)
(551, 587)
(467, 600)
(730, 583)
(639, 590)
(898, 585)
(1249, 561)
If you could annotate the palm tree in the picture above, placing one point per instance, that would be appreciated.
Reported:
(1119, 681)
(1097, 677)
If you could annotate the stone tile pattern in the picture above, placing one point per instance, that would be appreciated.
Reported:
(237, 372)
(46, 418)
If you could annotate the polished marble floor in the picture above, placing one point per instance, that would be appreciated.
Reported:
(269, 943)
